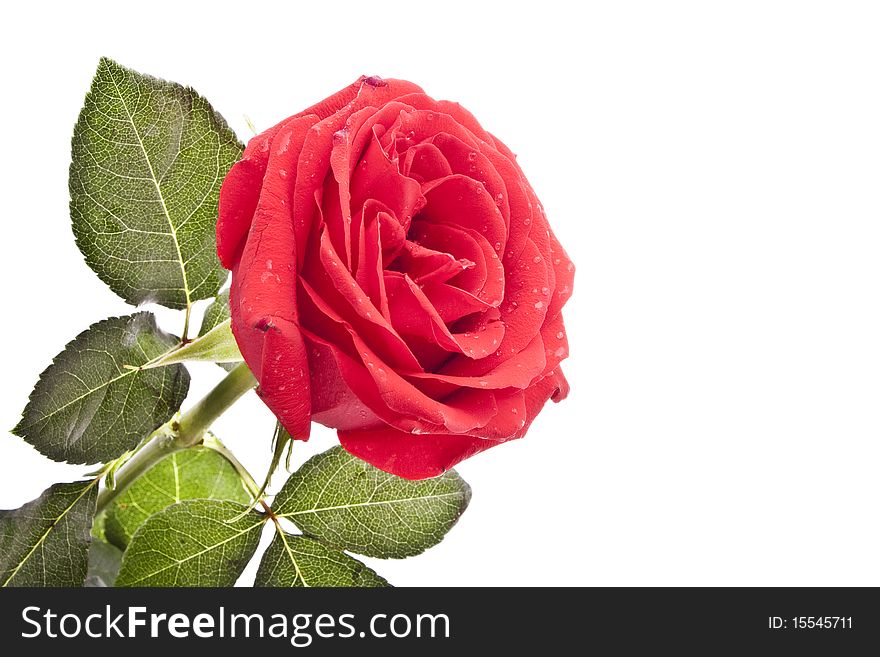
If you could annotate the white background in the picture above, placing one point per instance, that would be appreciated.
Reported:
(712, 169)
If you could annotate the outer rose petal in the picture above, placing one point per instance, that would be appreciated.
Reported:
(423, 456)
(263, 295)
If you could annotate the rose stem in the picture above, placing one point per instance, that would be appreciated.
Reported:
(188, 431)
(184, 337)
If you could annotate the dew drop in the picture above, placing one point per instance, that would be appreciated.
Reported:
(268, 264)
(536, 259)
(497, 246)
(539, 305)
(560, 335)
(545, 291)
(514, 411)
(282, 173)
(559, 352)
(484, 383)
(472, 156)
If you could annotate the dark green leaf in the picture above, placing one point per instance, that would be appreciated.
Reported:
(90, 406)
(198, 472)
(302, 561)
(104, 562)
(192, 543)
(148, 160)
(349, 503)
(46, 542)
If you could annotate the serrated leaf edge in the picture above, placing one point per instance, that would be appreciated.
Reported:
(49, 531)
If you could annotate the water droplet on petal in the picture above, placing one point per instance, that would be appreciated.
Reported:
(539, 305)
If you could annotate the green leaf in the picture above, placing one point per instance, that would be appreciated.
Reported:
(302, 561)
(104, 562)
(216, 346)
(148, 157)
(92, 404)
(194, 473)
(349, 503)
(216, 313)
(46, 542)
(192, 543)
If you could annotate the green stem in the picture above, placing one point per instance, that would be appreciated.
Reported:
(184, 338)
(186, 432)
(196, 420)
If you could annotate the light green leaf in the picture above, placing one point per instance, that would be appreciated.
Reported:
(217, 346)
(216, 313)
(194, 473)
(148, 157)
(348, 503)
(104, 562)
(92, 404)
(46, 542)
(192, 543)
(303, 561)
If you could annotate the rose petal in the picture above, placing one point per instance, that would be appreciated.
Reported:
(333, 294)
(424, 456)
(425, 162)
(263, 294)
(463, 201)
(409, 456)
(425, 265)
(485, 280)
(523, 312)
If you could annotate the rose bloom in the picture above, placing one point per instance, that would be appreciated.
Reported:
(394, 277)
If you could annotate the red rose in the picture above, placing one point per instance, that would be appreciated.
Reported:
(394, 277)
